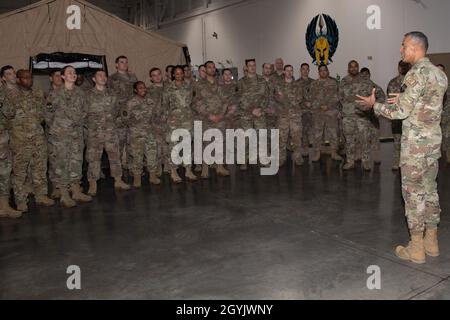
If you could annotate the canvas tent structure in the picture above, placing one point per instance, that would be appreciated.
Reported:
(76, 26)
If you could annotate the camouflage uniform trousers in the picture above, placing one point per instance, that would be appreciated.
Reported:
(357, 130)
(231, 123)
(375, 138)
(419, 189)
(29, 160)
(5, 164)
(162, 149)
(221, 126)
(172, 144)
(290, 125)
(325, 126)
(96, 143)
(341, 136)
(397, 147)
(51, 159)
(397, 134)
(272, 121)
(251, 122)
(307, 129)
(67, 155)
(142, 146)
(124, 142)
(446, 135)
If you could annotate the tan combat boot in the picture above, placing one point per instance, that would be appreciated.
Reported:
(430, 242)
(221, 171)
(243, 167)
(415, 251)
(120, 185)
(6, 211)
(22, 206)
(299, 161)
(316, 156)
(349, 165)
(78, 195)
(43, 200)
(174, 176)
(335, 156)
(154, 179)
(56, 194)
(205, 171)
(137, 183)
(366, 166)
(377, 157)
(92, 187)
(190, 175)
(159, 172)
(198, 168)
(66, 200)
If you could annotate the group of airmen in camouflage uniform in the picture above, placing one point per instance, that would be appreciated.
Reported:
(132, 122)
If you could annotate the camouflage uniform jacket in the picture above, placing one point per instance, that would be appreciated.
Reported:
(348, 89)
(66, 112)
(159, 113)
(102, 111)
(139, 115)
(304, 84)
(28, 114)
(209, 99)
(323, 92)
(177, 101)
(121, 85)
(290, 97)
(254, 93)
(420, 106)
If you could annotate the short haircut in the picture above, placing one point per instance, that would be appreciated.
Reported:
(52, 72)
(209, 62)
(5, 68)
(120, 57)
(264, 64)
(201, 66)
(153, 70)
(419, 37)
(96, 71)
(365, 70)
(168, 67)
(225, 70)
(135, 85)
(322, 66)
(304, 64)
(247, 61)
(20, 72)
(175, 68)
(288, 66)
(63, 70)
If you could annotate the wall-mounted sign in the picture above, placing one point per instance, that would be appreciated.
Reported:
(322, 39)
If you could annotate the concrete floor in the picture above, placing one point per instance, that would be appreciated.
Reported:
(308, 233)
